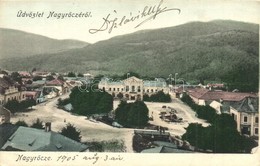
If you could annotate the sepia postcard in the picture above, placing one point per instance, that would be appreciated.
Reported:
(113, 82)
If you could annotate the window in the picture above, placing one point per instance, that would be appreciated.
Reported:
(127, 88)
(148, 90)
(256, 131)
(133, 88)
(256, 119)
(122, 89)
(245, 118)
(109, 89)
(151, 90)
(114, 89)
(118, 89)
(139, 89)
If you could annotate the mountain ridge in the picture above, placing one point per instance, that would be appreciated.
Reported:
(27, 44)
(197, 51)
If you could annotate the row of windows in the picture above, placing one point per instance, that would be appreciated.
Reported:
(132, 89)
(246, 119)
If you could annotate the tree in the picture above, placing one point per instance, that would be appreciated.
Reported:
(3, 72)
(120, 95)
(71, 74)
(132, 114)
(220, 137)
(37, 78)
(33, 70)
(16, 77)
(80, 75)
(90, 102)
(21, 123)
(13, 106)
(146, 97)
(38, 124)
(160, 96)
(49, 78)
(27, 103)
(71, 132)
(61, 78)
(29, 82)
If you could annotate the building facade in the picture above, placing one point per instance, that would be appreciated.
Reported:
(9, 92)
(133, 88)
(247, 116)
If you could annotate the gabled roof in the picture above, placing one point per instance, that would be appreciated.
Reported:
(165, 149)
(226, 96)
(198, 92)
(207, 95)
(55, 82)
(133, 78)
(248, 104)
(34, 94)
(31, 139)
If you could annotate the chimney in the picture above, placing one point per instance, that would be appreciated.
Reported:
(47, 126)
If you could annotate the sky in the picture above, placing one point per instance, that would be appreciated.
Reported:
(78, 28)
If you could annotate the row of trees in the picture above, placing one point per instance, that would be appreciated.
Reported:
(87, 101)
(221, 136)
(160, 96)
(204, 112)
(15, 106)
(71, 74)
(132, 114)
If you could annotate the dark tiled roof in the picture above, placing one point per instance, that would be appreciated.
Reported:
(30, 139)
(248, 104)
(6, 130)
(165, 149)
(6, 113)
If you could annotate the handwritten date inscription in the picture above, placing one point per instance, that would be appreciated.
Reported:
(148, 13)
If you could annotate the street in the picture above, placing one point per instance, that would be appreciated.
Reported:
(97, 131)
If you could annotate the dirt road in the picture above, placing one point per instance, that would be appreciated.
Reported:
(97, 131)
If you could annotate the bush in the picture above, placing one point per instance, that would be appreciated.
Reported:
(71, 132)
(107, 146)
(160, 96)
(21, 123)
(38, 124)
(63, 102)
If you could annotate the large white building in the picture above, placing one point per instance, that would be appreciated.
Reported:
(133, 88)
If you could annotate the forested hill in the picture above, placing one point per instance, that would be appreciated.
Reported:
(15, 43)
(216, 50)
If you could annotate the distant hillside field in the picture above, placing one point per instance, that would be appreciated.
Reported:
(216, 50)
